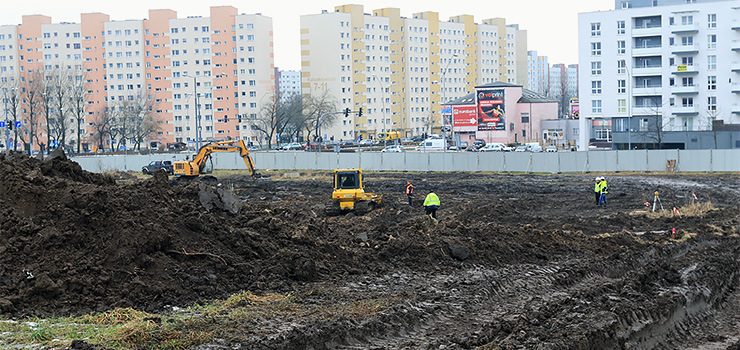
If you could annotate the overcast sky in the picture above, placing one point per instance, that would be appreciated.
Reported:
(551, 25)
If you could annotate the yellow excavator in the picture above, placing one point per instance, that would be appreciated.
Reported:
(349, 194)
(197, 166)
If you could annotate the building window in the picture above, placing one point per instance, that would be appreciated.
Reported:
(622, 106)
(620, 27)
(687, 40)
(596, 68)
(712, 62)
(687, 102)
(621, 47)
(596, 106)
(595, 29)
(687, 81)
(687, 20)
(595, 49)
(712, 20)
(712, 82)
(604, 134)
(621, 86)
(712, 103)
(621, 67)
(525, 117)
(596, 87)
(712, 41)
(644, 124)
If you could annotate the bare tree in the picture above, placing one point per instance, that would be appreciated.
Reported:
(275, 117)
(313, 108)
(102, 126)
(11, 94)
(713, 113)
(32, 89)
(77, 105)
(655, 128)
(134, 119)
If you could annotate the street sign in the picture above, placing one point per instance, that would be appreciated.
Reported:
(2, 124)
(17, 124)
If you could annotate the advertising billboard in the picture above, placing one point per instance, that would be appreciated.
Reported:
(464, 116)
(574, 111)
(491, 115)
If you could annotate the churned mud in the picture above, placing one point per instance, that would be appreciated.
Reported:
(514, 262)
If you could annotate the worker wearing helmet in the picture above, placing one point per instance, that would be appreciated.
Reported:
(431, 204)
(597, 190)
(410, 192)
(603, 191)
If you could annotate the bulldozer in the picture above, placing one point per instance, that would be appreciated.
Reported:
(197, 166)
(349, 194)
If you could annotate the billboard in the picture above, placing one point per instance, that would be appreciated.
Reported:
(574, 111)
(491, 115)
(464, 116)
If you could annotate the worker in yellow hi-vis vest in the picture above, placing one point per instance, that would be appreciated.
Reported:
(431, 204)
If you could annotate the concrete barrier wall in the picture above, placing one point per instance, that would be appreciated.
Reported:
(565, 162)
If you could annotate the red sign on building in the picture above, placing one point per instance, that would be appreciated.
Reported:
(464, 116)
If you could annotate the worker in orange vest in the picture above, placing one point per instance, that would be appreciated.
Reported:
(410, 192)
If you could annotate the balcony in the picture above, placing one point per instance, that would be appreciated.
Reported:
(736, 108)
(647, 110)
(647, 50)
(647, 70)
(685, 49)
(735, 67)
(685, 28)
(646, 31)
(735, 88)
(682, 69)
(735, 45)
(685, 90)
(736, 24)
(646, 91)
(685, 110)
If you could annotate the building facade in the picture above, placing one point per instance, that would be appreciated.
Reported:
(191, 79)
(654, 73)
(402, 70)
(538, 73)
(563, 86)
(288, 84)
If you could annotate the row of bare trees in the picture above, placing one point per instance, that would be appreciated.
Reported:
(53, 103)
(294, 116)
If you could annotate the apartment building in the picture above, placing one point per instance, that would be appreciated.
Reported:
(538, 73)
(661, 74)
(401, 70)
(563, 85)
(200, 78)
(288, 83)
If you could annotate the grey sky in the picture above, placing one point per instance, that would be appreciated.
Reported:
(551, 25)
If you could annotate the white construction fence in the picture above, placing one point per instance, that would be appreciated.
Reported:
(557, 162)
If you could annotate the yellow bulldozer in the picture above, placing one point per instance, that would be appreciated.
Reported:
(197, 166)
(349, 194)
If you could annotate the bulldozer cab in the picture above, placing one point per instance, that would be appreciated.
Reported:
(347, 179)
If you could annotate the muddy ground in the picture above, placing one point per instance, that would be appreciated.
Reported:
(514, 262)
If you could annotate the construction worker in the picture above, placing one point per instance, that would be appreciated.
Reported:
(431, 204)
(410, 192)
(597, 190)
(603, 191)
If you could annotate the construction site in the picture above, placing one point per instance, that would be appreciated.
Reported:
(227, 261)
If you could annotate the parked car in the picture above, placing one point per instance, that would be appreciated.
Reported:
(393, 149)
(155, 165)
(348, 143)
(406, 140)
(431, 145)
(495, 147)
(551, 149)
(479, 144)
(535, 148)
(521, 148)
(472, 149)
(452, 148)
(366, 142)
(293, 146)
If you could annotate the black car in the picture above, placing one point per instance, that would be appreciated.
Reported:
(155, 165)
(479, 144)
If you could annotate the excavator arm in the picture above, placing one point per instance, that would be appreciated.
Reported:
(196, 166)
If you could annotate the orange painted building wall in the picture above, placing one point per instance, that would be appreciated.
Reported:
(223, 46)
(93, 55)
(30, 61)
(158, 72)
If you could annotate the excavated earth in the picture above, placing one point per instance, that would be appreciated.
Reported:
(514, 262)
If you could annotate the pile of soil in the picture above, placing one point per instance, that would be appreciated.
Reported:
(514, 262)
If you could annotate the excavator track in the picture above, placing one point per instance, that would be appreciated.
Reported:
(333, 209)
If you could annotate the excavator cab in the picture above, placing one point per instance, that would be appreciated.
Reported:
(349, 193)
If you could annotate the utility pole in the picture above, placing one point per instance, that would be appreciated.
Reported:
(197, 116)
(7, 127)
(444, 103)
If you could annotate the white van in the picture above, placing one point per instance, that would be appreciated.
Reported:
(431, 145)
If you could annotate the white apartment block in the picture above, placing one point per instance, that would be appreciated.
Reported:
(672, 68)
(538, 73)
(563, 85)
(288, 84)
(401, 70)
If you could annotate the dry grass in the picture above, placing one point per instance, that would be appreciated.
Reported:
(697, 209)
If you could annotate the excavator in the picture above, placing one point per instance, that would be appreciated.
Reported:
(197, 166)
(349, 194)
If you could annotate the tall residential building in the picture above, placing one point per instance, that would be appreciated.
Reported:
(653, 71)
(538, 73)
(402, 70)
(288, 83)
(627, 4)
(563, 85)
(201, 78)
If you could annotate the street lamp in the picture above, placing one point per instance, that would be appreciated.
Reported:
(382, 92)
(444, 102)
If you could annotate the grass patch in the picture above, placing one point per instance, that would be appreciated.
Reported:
(127, 328)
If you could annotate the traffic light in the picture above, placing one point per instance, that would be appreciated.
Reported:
(346, 112)
(240, 118)
(226, 119)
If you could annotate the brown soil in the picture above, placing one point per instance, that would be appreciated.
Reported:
(515, 261)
